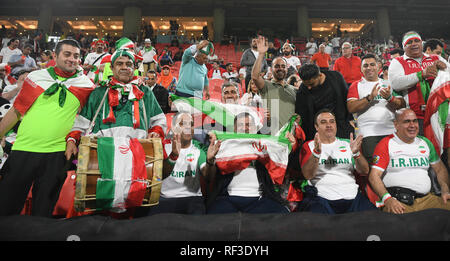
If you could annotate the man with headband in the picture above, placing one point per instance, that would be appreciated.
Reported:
(120, 107)
(407, 71)
(93, 60)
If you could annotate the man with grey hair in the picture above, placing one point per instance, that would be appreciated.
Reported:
(230, 93)
(348, 65)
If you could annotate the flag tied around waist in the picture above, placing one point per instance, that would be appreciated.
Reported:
(238, 150)
(123, 174)
(436, 111)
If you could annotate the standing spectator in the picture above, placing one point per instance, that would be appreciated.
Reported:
(322, 90)
(161, 93)
(149, 56)
(374, 103)
(22, 61)
(408, 71)
(193, 79)
(11, 49)
(248, 59)
(348, 65)
(293, 62)
(336, 44)
(93, 60)
(272, 52)
(311, 47)
(322, 59)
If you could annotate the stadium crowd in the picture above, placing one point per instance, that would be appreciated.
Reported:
(359, 135)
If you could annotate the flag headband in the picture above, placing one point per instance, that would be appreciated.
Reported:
(410, 37)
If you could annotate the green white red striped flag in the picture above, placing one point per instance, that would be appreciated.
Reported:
(222, 113)
(123, 174)
(238, 150)
(436, 111)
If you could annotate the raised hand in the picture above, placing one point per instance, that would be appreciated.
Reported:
(355, 144)
(213, 148)
(262, 44)
(176, 144)
(317, 144)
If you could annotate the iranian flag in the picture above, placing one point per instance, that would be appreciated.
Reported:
(222, 113)
(238, 150)
(123, 174)
(436, 111)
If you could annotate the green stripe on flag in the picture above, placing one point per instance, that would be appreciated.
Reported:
(105, 152)
(213, 110)
(443, 113)
(105, 193)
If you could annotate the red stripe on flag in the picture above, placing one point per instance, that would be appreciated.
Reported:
(82, 93)
(138, 186)
(28, 94)
(436, 98)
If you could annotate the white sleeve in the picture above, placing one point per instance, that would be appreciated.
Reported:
(446, 63)
(400, 81)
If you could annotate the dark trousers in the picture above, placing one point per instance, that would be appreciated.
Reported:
(321, 205)
(45, 171)
(255, 205)
(182, 94)
(368, 146)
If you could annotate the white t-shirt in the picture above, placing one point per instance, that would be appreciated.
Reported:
(378, 118)
(406, 164)
(244, 183)
(293, 61)
(242, 71)
(329, 48)
(148, 57)
(313, 48)
(229, 75)
(334, 178)
(335, 41)
(7, 53)
(216, 74)
(184, 181)
(9, 88)
(90, 59)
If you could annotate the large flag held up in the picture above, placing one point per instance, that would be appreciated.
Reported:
(436, 112)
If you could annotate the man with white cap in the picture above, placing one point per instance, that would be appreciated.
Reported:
(407, 72)
(149, 55)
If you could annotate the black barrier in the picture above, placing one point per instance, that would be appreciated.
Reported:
(427, 225)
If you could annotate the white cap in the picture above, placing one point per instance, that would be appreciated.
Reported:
(147, 40)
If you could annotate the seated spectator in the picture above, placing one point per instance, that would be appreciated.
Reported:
(399, 175)
(167, 80)
(230, 74)
(294, 80)
(184, 164)
(329, 164)
(215, 72)
(165, 58)
(250, 190)
(47, 59)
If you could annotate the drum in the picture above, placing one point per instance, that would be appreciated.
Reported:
(88, 173)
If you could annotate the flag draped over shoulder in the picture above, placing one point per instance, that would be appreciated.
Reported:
(123, 174)
(436, 111)
(222, 113)
(238, 150)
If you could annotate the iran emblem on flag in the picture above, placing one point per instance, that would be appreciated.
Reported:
(123, 183)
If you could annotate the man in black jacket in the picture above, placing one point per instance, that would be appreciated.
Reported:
(320, 90)
(161, 93)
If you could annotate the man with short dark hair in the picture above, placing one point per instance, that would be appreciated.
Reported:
(48, 102)
(433, 46)
(321, 90)
(248, 60)
(399, 174)
(329, 163)
(22, 61)
(11, 49)
(161, 93)
(374, 103)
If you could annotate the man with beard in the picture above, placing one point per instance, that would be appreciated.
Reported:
(248, 60)
(93, 60)
(294, 63)
(278, 97)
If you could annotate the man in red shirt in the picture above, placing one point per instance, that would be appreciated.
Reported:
(348, 65)
(322, 59)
